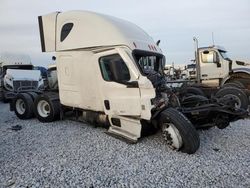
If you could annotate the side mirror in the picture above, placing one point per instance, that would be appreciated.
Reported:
(163, 63)
(158, 42)
(216, 59)
(53, 58)
(132, 84)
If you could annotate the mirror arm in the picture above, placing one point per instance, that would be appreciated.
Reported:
(132, 84)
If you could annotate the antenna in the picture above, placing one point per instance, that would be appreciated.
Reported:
(213, 38)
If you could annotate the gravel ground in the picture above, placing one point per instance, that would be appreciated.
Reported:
(72, 154)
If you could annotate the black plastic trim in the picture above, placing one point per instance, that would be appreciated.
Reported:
(106, 104)
(116, 122)
(40, 21)
(142, 52)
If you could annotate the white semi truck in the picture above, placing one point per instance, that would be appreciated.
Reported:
(17, 75)
(103, 79)
(214, 68)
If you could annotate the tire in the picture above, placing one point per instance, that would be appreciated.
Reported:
(194, 100)
(233, 93)
(190, 91)
(194, 91)
(4, 99)
(33, 95)
(234, 83)
(23, 106)
(47, 108)
(178, 131)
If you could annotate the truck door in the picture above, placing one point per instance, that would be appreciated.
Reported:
(212, 67)
(119, 85)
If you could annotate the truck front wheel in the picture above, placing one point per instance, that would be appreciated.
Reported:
(47, 109)
(178, 131)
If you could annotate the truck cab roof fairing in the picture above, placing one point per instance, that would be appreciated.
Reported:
(96, 30)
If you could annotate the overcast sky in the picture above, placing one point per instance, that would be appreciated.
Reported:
(175, 22)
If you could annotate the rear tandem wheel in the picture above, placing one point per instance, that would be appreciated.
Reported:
(47, 107)
(23, 106)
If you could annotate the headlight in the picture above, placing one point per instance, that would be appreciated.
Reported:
(8, 86)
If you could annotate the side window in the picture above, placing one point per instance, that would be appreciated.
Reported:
(209, 56)
(113, 68)
(66, 30)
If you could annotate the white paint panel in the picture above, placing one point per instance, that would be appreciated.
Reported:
(14, 59)
(94, 30)
(49, 31)
(130, 128)
(78, 80)
(147, 92)
(123, 100)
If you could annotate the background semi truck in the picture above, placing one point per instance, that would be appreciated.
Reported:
(103, 78)
(213, 67)
(17, 75)
(214, 74)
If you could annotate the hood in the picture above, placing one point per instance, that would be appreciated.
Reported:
(17, 74)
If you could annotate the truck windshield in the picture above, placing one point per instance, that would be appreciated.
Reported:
(149, 62)
(224, 54)
(191, 66)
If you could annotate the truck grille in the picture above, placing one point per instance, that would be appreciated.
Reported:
(21, 85)
(192, 72)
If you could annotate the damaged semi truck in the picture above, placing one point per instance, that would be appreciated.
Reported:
(102, 80)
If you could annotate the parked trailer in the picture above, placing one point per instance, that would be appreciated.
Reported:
(101, 79)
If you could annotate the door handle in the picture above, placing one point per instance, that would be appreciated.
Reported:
(204, 75)
(106, 104)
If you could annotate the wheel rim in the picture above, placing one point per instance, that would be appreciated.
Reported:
(43, 108)
(234, 97)
(172, 136)
(20, 106)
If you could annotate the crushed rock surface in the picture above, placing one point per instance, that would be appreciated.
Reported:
(74, 154)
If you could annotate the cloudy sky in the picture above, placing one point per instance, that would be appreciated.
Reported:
(175, 22)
